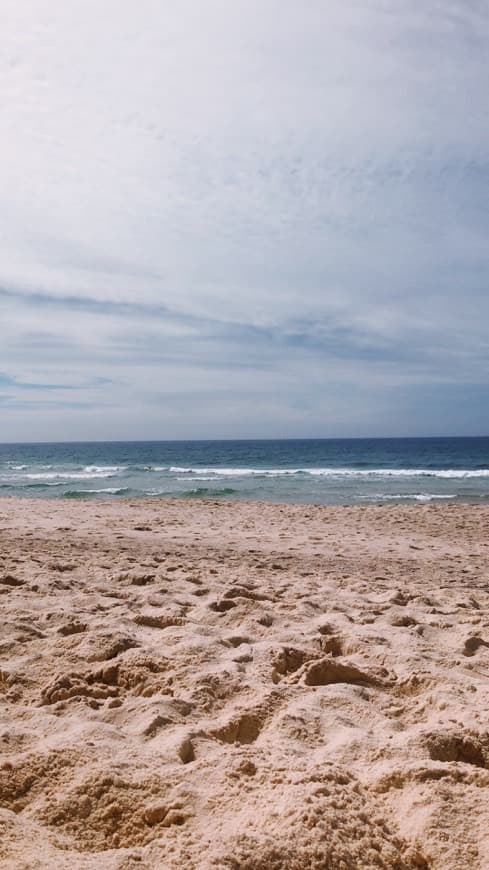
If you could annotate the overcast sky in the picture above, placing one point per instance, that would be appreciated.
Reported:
(257, 218)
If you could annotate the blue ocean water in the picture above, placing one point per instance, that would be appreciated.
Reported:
(332, 471)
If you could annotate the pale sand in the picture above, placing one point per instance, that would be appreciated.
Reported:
(224, 685)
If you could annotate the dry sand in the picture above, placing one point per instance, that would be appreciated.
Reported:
(236, 685)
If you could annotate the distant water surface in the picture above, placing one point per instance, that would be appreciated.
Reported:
(332, 471)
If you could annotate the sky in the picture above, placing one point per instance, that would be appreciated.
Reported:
(257, 218)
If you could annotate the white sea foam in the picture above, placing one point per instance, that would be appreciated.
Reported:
(111, 489)
(90, 472)
(155, 492)
(103, 468)
(449, 473)
(214, 478)
(398, 496)
(68, 475)
(239, 472)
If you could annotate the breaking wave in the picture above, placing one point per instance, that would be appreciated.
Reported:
(450, 473)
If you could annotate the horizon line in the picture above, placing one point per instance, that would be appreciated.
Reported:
(234, 440)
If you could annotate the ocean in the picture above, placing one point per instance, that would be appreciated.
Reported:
(316, 471)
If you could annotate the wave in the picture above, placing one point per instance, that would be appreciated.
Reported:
(113, 490)
(206, 474)
(405, 496)
(195, 491)
(20, 486)
(139, 468)
(89, 473)
(149, 468)
(448, 473)
(105, 468)
(41, 485)
(238, 472)
(82, 493)
(200, 478)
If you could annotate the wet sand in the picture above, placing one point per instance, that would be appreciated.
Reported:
(238, 685)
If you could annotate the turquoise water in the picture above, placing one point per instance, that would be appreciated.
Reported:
(333, 471)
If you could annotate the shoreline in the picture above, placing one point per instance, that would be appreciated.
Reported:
(227, 683)
(96, 498)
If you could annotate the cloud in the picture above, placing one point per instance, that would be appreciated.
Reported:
(250, 218)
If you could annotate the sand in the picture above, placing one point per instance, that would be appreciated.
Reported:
(235, 685)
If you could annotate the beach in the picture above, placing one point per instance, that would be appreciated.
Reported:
(253, 686)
